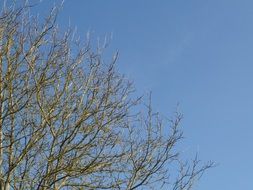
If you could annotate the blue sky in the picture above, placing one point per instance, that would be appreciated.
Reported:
(198, 53)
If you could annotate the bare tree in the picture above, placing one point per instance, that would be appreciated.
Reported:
(66, 117)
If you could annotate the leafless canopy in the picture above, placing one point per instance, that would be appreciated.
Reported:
(66, 119)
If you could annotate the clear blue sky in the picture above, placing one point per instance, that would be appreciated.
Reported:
(195, 52)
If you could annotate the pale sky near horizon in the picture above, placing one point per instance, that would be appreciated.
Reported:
(198, 53)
